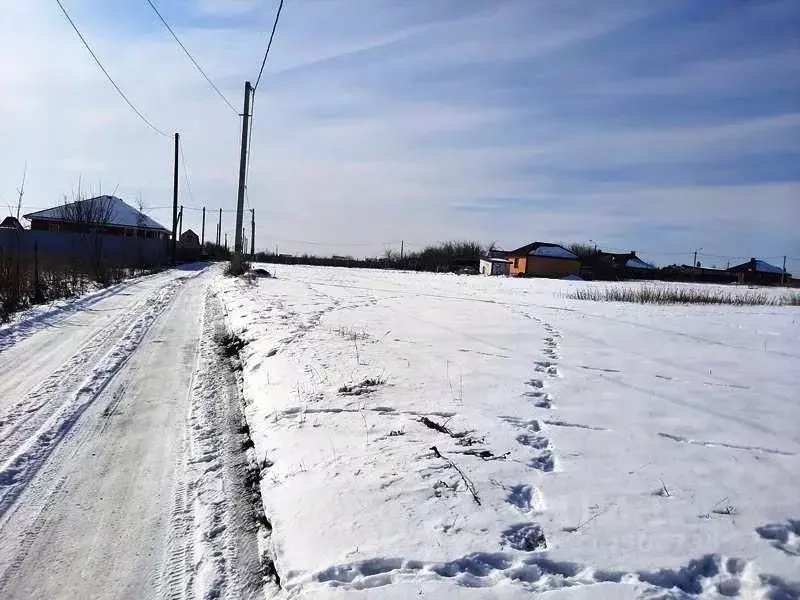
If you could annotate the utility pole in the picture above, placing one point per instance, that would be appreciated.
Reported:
(226, 241)
(402, 244)
(219, 228)
(175, 197)
(180, 222)
(252, 233)
(694, 261)
(203, 229)
(783, 275)
(236, 263)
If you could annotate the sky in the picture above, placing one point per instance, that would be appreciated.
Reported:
(662, 126)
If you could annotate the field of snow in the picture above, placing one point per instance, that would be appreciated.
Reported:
(439, 436)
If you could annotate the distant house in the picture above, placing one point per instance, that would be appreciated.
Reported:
(759, 271)
(541, 259)
(103, 214)
(11, 223)
(189, 239)
(494, 266)
(614, 266)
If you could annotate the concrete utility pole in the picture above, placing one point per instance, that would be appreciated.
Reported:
(175, 197)
(219, 228)
(252, 233)
(236, 263)
(203, 229)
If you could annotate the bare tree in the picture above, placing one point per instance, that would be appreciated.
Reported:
(21, 189)
(88, 214)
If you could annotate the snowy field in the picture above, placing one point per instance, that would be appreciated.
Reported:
(437, 436)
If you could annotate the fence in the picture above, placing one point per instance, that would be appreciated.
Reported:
(108, 250)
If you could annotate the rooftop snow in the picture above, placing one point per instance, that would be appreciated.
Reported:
(765, 267)
(552, 252)
(122, 214)
(636, 263)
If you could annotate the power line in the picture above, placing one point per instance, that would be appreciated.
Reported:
(191, 58)
(186, 173)
(103, 69)
(269, 44)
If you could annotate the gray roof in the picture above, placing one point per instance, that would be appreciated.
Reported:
(121, 214)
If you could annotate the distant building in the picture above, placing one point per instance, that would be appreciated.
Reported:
(103, 214)
(759, 271)
(542, 259)
(494, 266)
(616, 266)
(189, 239)
(11, 223)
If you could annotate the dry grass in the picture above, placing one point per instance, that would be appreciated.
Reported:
(652, 294)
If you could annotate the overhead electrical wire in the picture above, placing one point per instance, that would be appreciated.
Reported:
(186, 173)
(269, 45)
(191, 58)
(105, 72)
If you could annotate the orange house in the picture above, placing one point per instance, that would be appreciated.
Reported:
(541, 259)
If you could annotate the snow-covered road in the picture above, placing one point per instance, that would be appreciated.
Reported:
(96, 472)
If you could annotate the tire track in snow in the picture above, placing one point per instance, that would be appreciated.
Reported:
(23, 463)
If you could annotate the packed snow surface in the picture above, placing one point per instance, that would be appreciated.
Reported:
(445, 436)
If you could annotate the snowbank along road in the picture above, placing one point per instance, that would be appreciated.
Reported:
(115, 468)
(436, 436)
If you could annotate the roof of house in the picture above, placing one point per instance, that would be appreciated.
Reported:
(121, 214)
(545, 250)
(495, 259)
(11, 223)
(189, 232)
(635, 262)
(759, 265)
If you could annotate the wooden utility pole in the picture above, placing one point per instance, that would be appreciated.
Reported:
(402, 244)
(252, 233)
(203, 229)
(180, 222)
(226, 241)
(175, 197)
(236, 263)
(219, 228)
(783, 275)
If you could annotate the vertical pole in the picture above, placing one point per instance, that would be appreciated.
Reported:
(694, 261)
(226, 241)
(203, 229)
(402, 247)
(783, 275)
(236, 263)
(180, 221)
(219, 228)
(175, 198)
(252, 233)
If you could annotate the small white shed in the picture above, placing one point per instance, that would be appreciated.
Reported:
(495, 266)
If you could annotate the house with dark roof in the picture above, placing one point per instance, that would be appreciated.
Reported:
(759, 271)
(189, 239)
(542, 259)
(102, 214)
(11, 223)
(617, 266)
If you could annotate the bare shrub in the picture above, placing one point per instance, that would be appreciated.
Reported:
(651, 294)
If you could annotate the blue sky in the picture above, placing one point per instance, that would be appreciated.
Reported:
(660, 126)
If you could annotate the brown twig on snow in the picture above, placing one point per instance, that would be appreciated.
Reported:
(435, 426)
(467, 481)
